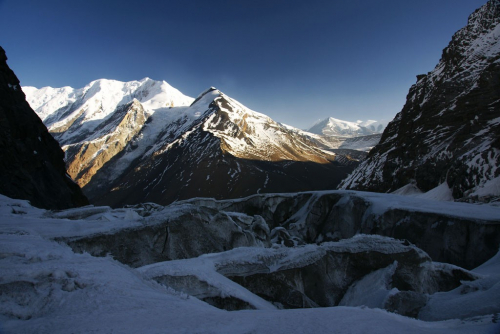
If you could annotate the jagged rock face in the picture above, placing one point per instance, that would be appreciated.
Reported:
(227, 151)
(452, 235)
(31, 161)
(449, 127)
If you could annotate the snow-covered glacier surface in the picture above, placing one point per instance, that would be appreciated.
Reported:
(46, 287)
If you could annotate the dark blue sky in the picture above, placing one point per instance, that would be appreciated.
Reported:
(296, 61)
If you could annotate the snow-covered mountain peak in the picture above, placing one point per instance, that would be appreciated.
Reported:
(208, 94)
(114, 131)
(101, 97)
(247, 134)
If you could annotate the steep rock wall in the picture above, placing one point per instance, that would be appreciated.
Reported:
(31, 161)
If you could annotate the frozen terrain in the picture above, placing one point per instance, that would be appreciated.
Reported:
(48, 288)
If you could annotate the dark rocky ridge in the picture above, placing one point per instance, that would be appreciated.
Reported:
(448, 129)
(31, 161)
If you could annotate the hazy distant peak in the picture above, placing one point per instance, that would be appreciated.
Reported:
(335, 127)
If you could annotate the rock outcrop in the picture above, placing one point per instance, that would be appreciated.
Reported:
(86, 158)
(31, 162)
(449, 128)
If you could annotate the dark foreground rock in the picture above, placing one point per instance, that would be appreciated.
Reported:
(31, 161)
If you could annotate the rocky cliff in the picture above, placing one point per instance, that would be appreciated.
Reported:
(449, 128)
(31, 161)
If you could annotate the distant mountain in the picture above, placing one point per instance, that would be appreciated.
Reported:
(142, 141)
(449, 129)
(338, 128)
(31, 161)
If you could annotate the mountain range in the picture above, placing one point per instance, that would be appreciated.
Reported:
(128, 142)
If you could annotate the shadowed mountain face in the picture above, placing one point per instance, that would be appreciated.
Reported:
(31, 161)
(449, 128)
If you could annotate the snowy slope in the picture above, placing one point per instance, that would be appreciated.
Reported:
(247, 134)
(76, 113)
(168, 153)
(97, 122)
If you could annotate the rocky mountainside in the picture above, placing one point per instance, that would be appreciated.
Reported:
(31, 161)
(449, 129)
(141, 141)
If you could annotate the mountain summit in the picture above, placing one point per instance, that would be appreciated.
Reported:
(449, 129)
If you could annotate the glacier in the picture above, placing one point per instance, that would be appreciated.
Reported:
(49, 285)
